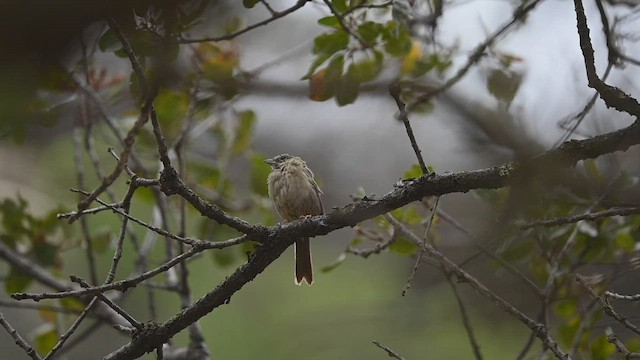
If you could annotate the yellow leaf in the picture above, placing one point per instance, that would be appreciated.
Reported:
(410, 61)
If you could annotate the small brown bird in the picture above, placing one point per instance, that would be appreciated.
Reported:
(295, 194)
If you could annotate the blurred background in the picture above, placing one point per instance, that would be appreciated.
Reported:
(357, 148)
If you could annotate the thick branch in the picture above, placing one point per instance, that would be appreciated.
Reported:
(611, 95)
(276, 239)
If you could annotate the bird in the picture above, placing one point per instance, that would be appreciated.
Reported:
(295, 194)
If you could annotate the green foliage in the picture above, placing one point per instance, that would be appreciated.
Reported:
(250, 3)
(364, 57)
(45, 338)
(403, 246)
(244, 131)
(368, 69)
(601, 349)
(503, 84)
(259, 173)
(397, 39)
(16, 281)
(36, 234)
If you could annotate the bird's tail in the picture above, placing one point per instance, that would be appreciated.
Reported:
(304, 269)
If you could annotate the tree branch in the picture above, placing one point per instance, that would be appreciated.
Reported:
(612, 96)
(18, 339)
(275, 16)
(274, 240)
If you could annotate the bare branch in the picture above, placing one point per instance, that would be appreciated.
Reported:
(71, 330)
(394, 91)
(606, 307)
(519, 14)
(610, 294)
(422, 244)
(275, 240)
(391, 353)
(299, 4)
(612, 96)
(540, 331)
(625, 211)
(18, 339)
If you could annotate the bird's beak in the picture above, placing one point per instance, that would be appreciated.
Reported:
(270, 162)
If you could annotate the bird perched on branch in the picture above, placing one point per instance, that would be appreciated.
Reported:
(295, 194)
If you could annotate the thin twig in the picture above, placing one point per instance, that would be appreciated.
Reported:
(391, 353)
(39, 307)
(78, 136)
(477, 54)
(344, 26)
(625, 211)
(109, 303)
(381, 246)
(465, 316)
(605, 306)
(71, 330)
(611, 95)
(94, 210)
(31, 352)
(299, 4)
(541, 332)
(613, 339)
(610, 294)
(394, 91)
(122, 285)
(423, 248)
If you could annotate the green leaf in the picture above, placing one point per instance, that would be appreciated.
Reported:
(369, 69)
(224, 257)
(16, 281)
(330, 21)
(624, 239)
(329, 44)
(397, 39)
(45, 338)
(567, 331)
(259, 173)
(244, 131)
(8, 240)
(72, 304)
(566, 308)
(109, 42)
(347, 89)
(414, 172)
(232, 25)
(504, 84)
(172, 107)
(337, 262)
(249, 247)
(319, 60)
(591, 166)
(322, 85)
(601, 349)
(249, 3)
(408, 215)
(369, 31)
(45, 253)
(403, 246)
(340, 5)
(146, 43)
(14, 216)
(102, 239)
